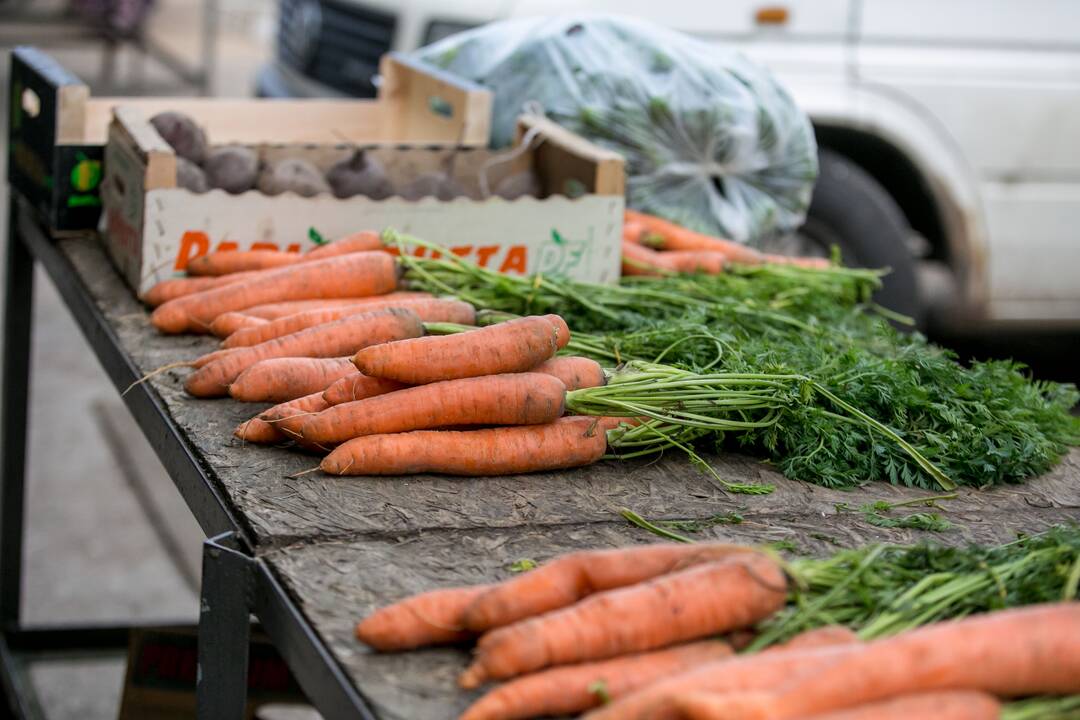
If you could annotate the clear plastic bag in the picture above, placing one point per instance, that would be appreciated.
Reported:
(711, 140)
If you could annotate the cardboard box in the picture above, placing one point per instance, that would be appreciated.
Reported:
(57, 131)
(574, 229)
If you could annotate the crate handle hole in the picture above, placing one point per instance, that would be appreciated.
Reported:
(440, 106)
(31, 103)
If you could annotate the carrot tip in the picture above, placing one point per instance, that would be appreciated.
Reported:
(305, 472)
(472, 678)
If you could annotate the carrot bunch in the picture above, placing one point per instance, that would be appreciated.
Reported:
(589, 625)
(653, 246)
(635, 630)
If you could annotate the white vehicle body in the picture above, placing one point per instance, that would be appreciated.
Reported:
(966, 111)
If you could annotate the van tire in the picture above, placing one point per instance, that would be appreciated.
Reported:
(851, 210)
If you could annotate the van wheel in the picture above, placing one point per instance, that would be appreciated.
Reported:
(851, 210)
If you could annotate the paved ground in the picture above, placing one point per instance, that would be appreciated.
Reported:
(91, 554)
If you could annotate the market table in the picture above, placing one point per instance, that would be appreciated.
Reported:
(309, 555)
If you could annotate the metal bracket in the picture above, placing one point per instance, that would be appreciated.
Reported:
(224, 629)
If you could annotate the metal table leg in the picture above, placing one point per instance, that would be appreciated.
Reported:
(224, 630)
(18, 305)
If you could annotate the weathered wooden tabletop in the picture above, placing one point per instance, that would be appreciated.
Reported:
(343, 546)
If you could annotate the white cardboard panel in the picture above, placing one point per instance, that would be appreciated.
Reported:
(578, 238)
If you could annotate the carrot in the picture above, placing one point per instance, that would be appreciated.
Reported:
(707, 599)
(428, 309)
(353, 275)
(941, 705)
(288, 378)
(760, 671)
(330, 340)
(568, 578)
(632, 231)
(823, 636)
(512, 346)
(211, 357)
(275, 310)
(357, 387)
(228, 323)
(571, 689)
(640, 260)
(1025, 651)
(575, 372)
(174, 288)
(510, 399)
(357, 242)
(260, 429)
(226, 262)
(565, 443)
(286, 418)
(804, 262)
(431, 618)
(666, 235)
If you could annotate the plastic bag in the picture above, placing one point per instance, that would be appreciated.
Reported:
(711, 140)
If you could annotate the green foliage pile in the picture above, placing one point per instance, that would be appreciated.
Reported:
(982, 424)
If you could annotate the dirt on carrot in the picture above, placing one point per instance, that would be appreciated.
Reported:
(284, 379)
(357, 387)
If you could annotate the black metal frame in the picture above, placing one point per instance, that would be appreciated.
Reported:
(236, 583)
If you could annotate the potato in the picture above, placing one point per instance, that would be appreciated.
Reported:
(360, 174)
(292, 174)
(434, 184)
(190, 176)
(232, 168)
(518, 184)
(184, 136)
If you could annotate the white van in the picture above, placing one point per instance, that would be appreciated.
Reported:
(949, 129)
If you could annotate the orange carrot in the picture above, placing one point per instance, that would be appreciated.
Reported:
(760, 671)
(823, 636)
(669, 236)
(260, 429)
(632, 231)
(428, 309)
(708, 262)
(233, 261)
(288, 378)
(941, 705)
(511, 399)
(568, 578)
(512, 346)
(565, 443)
(575, 372)
(571, 689)
(212, 357)
(431, 618)
(179, 287)
(226, 324)
(353, 275)
(330, 340)
(287, 418)
(275, 310)
(640, 260)
(804, 262)
(1010, 653)
(357, 387)
(357, 242)
(707, 599)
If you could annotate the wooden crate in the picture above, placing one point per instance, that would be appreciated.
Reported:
(153, 227)
(58, 131)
